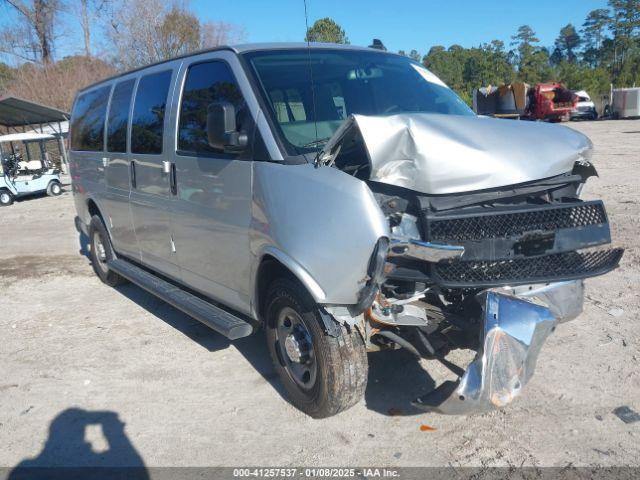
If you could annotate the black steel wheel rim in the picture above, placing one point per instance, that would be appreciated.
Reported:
(295, 348)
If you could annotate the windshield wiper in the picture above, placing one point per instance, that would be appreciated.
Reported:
(316, 143)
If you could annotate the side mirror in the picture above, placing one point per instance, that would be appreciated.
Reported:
(222, 130)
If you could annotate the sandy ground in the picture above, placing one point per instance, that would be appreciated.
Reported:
(91, 375)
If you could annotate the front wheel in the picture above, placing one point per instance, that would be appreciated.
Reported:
(54, 188)
(102, 252)
(323, 374)
(6, 198)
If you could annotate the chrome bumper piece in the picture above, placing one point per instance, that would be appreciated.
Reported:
(517, 321)
(427, 251)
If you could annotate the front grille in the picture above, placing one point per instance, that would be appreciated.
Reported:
(562, 266)
(505, 225)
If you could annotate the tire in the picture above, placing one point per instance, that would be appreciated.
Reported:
(6, 198)
(54, 188)
(337, 366)
(101, 252)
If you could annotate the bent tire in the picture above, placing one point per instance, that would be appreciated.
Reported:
(6, 198)
(54, 188)
(102, 252)
(322, 374)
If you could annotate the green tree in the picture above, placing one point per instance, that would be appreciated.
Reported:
(536, 67)
(533, 62)
(525, 41)
(568, 42)
(448, 64)
(326, 30)
(594, 31)
(625, 22)
(465, 69)
(414, 55)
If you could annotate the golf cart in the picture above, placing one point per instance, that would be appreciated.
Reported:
(19, 177)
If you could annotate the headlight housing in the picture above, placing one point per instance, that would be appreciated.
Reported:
(375, 274)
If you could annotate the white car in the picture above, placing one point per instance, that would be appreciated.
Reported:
(585, 108)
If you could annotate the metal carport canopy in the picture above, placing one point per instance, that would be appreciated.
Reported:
(16, 112)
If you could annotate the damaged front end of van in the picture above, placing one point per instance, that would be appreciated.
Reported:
(489, 243)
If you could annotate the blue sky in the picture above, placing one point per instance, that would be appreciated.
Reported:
(402, 24)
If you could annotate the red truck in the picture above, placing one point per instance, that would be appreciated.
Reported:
(550, 101)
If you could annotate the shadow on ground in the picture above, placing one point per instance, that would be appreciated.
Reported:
(253, 348)
(395, 379)
(68, 454)
(83, 242)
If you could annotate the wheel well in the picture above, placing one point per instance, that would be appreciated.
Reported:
(93, 209)
(270, 269)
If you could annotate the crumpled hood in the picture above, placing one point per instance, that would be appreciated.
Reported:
(440, 154)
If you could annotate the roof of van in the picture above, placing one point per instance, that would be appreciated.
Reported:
(243, 48)
(250, 47)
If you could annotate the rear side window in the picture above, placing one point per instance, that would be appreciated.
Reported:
(87, 120)
(148, 113)
(119, 116)
(206, 83)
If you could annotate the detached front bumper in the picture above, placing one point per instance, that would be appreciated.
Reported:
(517, 321)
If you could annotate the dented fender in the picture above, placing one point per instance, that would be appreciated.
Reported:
(320, 219)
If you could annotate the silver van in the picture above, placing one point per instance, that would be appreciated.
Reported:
(345, 200)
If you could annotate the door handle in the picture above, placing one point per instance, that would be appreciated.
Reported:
(132, 168)
(172, 179)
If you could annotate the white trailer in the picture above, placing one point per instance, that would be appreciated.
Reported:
(625, 102)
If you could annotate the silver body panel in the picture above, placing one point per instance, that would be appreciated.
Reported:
(117, 192)
(211, 211)
(152, 202)
(440, 154)
(324, 220)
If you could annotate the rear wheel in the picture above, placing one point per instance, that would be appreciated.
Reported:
(54, 188)
(102, 252)
(322, 374)
(6, 198)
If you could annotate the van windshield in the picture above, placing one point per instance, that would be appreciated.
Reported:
(345, 82)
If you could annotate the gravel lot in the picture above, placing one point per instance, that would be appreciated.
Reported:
(91, 375)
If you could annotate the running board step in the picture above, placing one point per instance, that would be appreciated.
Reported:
(212, 316)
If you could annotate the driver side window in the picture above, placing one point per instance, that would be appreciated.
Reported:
(206, 83)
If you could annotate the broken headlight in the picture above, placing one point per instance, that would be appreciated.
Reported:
(375, 275)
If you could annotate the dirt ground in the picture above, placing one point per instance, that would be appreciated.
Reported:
(91, 375)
